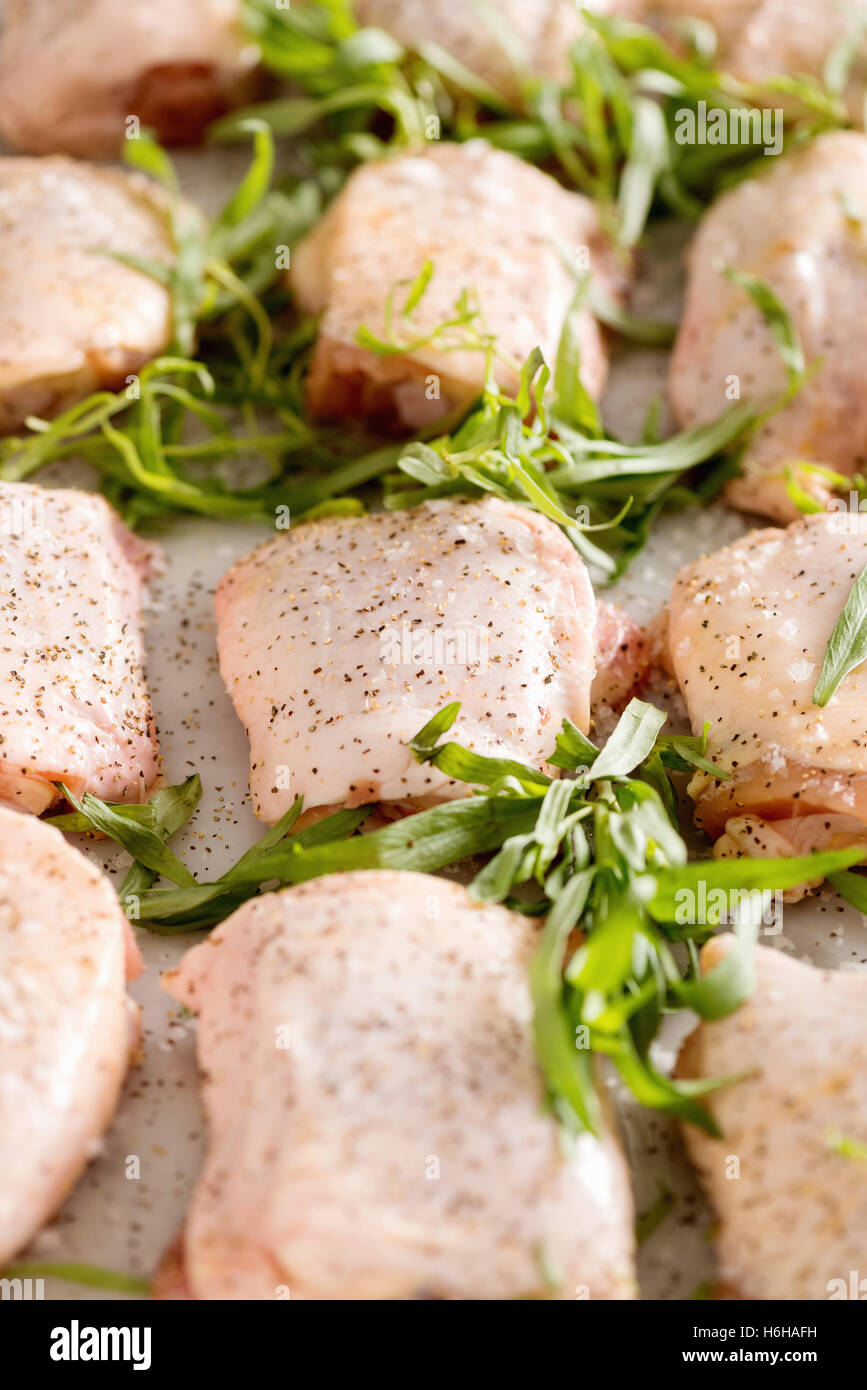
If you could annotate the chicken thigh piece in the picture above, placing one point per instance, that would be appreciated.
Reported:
(74, 705)
(758, 40)
(791, 1201)
(490, 225)
(67, 1025)
(72, 318)
(340, 639)
(377, 1119)
(72, 72)
(748, 631)
(796, 229)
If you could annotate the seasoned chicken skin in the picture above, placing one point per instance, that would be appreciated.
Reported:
(748, 631)
(491, 225)
(72, 72)
(340, 639)
(794, 228)
(540, 30)
(792, 1208)
(72, 318)
(623, 657)
(67, 1025)
(73, 701)
(758, 40)
(377, 1121)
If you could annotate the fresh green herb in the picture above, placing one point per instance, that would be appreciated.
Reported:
(847, 646)
(851, 210)
(225, 263)
(846, 1147)
(90, 1276)
(852, 888)
(601, 851)
(456, 333)
(666, 90)
(649, 159)
(133, 439)
(653, 332)
(610, 127)
(552, 1275)
(604, 494)
(348, 74)
(545, 446)
(650, 1220)
(142, 830)
(779, 321)
(842, 55)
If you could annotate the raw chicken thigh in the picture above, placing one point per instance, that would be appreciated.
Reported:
(490, 225)
(72, 318)
(377, 1120)
(795, 228)
(340, 639)
(749, 627)
(74, 705)
(67, 1025)
(791, 1201)
(72, 72)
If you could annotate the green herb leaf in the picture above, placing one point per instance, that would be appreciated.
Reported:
(631, 741)
(847, 646)
(744, 875)
(141, 840)
(778, 319)
(728, 985)
(90, 1276)
(566, 1065)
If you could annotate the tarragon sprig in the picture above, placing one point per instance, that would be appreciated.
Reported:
(595, 852)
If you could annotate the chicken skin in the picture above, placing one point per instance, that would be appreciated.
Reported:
(758, 40)
(340, 639)
(72, 318)
(791, 1201)
(490, 225)
(796, 228)
(67, 1025)
(72, 72)
(73, 701)
(748, 631)
(376, 1114)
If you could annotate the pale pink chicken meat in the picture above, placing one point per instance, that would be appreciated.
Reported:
(74, 706)
(72, 72)
(748, 631)
(72, 318)
(67, 1025)
(491, 225)
(758, 40)
(340, 639)
(793, 1211)
(623, 658)
(377, 1119)
(795, 228)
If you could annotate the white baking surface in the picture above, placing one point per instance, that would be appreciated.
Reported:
(126, 1223)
